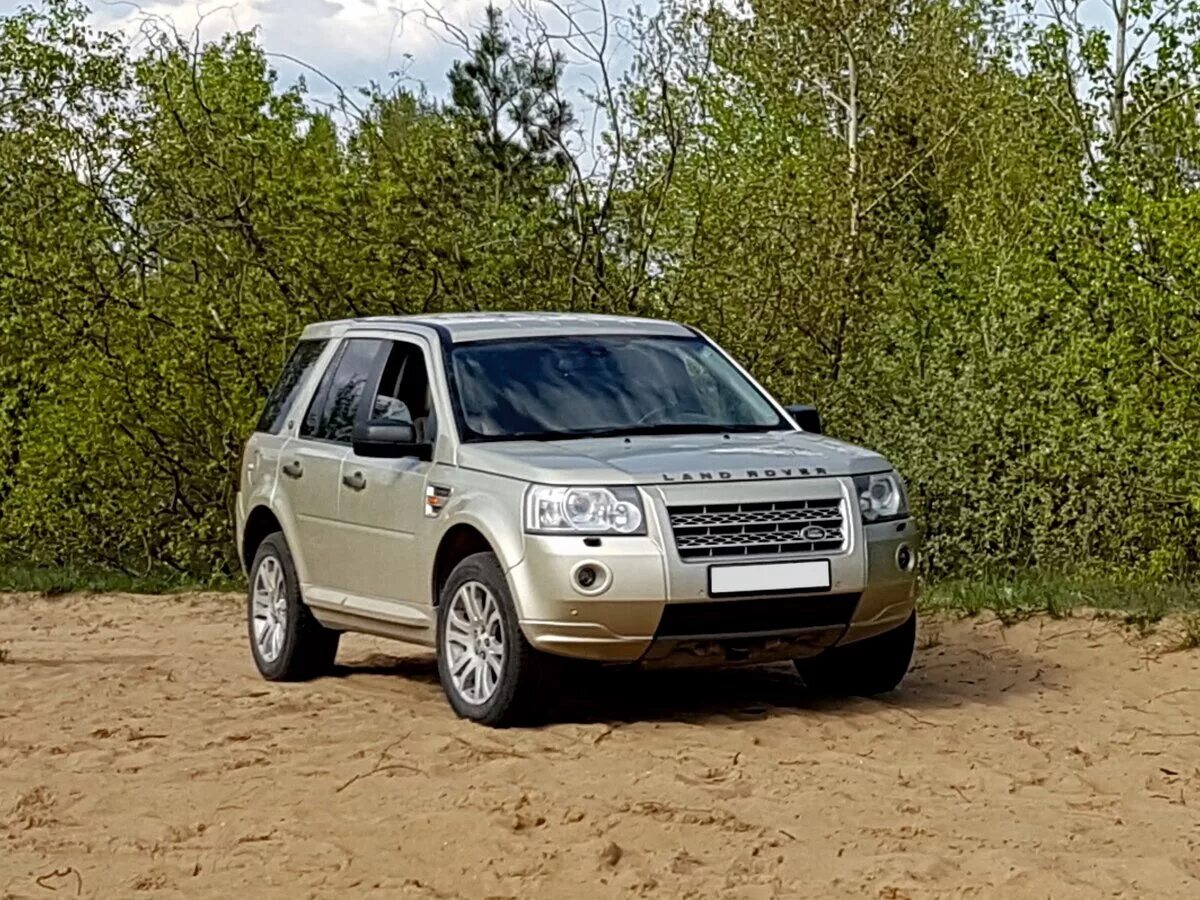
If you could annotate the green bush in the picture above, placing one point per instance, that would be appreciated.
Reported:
(999, 296)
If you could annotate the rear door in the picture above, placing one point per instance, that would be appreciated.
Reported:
(310, 470)
(383, 500)
(260, 462)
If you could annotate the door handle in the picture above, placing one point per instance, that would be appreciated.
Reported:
(293, 469)
(355, 482)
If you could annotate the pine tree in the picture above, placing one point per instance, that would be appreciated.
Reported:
(510, 95)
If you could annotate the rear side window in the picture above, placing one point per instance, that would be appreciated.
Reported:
(283, 395)
(334, 407)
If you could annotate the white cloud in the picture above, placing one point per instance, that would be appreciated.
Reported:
(353, 42)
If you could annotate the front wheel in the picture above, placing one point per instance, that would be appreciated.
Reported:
(875, 665)
(286, 641)
(489, 671)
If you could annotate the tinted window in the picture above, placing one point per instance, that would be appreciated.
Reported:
(596, 385)
(283, 395)
(403, 394)
(331, 414)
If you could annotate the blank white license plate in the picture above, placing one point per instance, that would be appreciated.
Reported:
(769, 577)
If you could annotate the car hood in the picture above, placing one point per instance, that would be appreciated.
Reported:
(672, 459)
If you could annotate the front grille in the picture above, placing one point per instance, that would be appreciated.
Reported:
(718, 530)
(755, 616)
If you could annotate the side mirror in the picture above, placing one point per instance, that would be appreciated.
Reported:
(806, 417)
(389, 440)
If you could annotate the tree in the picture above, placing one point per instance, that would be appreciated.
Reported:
(971, 238)
(511, 96)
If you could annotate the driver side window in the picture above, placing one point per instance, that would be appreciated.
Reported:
(404, 395)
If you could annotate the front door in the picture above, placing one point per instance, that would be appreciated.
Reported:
(383, 500)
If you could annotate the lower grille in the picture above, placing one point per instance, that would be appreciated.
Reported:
(719, 530)
(756, 617)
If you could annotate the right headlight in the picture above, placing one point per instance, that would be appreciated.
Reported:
(881, 496)
(551, 509)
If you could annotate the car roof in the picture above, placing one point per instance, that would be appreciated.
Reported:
(462, 327)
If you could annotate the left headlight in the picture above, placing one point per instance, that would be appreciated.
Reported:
(584, 510)
(881, 496)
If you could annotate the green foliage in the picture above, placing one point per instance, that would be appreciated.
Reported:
(882, 211)
(51, 582)
(972, 238)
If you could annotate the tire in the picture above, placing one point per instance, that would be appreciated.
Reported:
(875, 665)
(298, 647)
(491, 674)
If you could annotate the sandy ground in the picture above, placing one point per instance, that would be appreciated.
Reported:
(140, 753)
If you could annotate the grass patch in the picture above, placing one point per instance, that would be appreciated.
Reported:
(52, 581)
(1139, 603)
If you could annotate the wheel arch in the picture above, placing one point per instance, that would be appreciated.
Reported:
(261, 522)
(460, 541)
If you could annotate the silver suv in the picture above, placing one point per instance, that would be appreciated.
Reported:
(513, 489)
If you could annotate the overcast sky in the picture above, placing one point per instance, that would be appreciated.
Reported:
(352, 41)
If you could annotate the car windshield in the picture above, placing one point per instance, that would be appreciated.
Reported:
(604, 385)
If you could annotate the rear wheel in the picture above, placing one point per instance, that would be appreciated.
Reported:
(489, 671)
(286, 641)
(872, 666)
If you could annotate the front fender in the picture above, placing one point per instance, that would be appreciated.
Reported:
(494, 510)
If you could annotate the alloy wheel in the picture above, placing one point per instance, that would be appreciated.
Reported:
(474, 643)
(269, 608)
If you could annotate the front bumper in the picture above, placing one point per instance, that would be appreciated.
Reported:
(615, 626)
(890, 592)
(629, 621)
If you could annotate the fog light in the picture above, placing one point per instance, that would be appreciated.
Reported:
(905, 558)
(591, 578)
